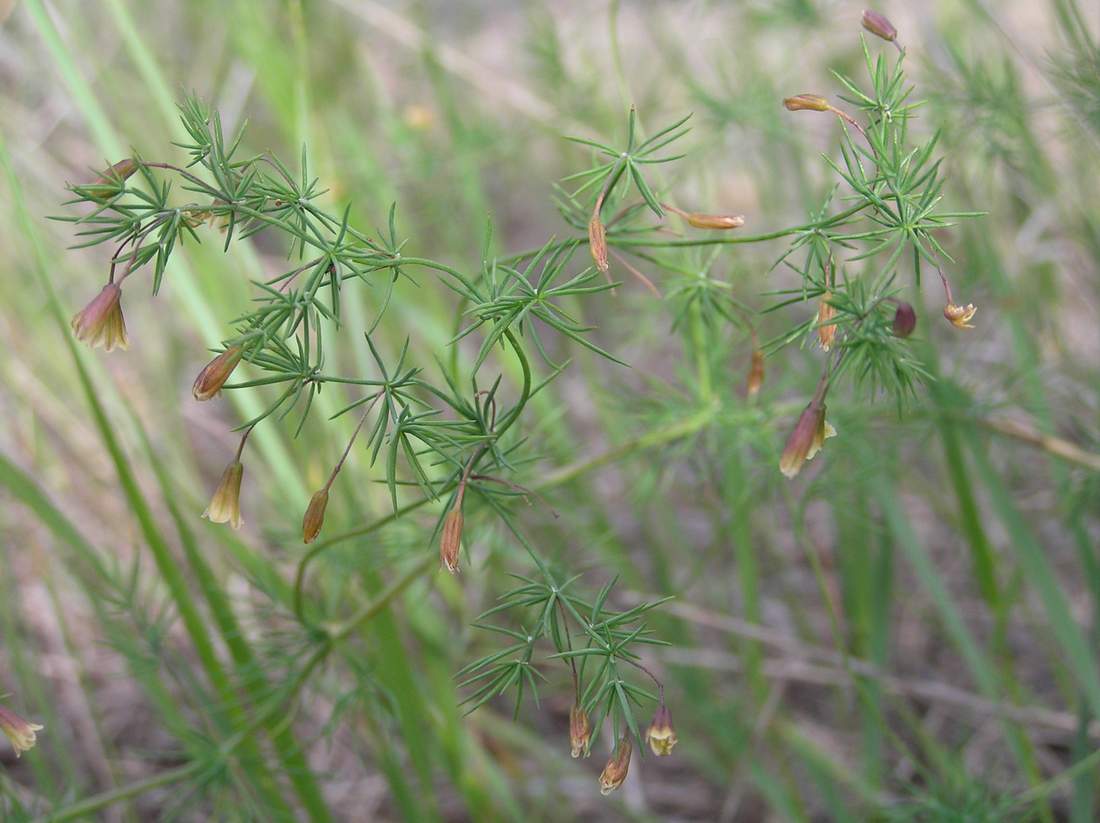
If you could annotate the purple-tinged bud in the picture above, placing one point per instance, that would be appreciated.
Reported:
(879, 26)
(101, 323)
(314, 517)
(807, 439)
(660, 735)
(614, 773)
(215, 373)
(109, 182)
(22, 733)
(225, 505)
(905, 320)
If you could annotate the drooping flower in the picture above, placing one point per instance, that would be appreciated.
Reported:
(597, 241)
(215, 373)
(614, 773)
(225, 505)
(807, 439)
(580, 732)
(22, 733)
(660, 735)
(756, 374)
(807, 102)
(450, 540)
(960, 316)
(826, 330)
(905, 320)
(314, 517)
(101, 323)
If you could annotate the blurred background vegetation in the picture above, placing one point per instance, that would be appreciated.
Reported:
(907, 631)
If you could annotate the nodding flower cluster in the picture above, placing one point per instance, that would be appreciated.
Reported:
(20, 732)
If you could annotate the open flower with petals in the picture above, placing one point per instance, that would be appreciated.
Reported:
(960, 316)
(22, 733)
(614, 773)
(225, 505)
(101, 323)
(807, 439)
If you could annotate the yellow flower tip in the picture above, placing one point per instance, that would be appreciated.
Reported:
(806, 102)
(225, 505)
(22, 733)
(580, 732)
(450, 540)
(960, 316)
(660, 735)
(314, 517)
(614, 773)
(807, 439)
(101, 323)
(215, 373)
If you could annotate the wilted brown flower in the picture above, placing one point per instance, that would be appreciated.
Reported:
(450, 540)
(905, 320)
(597, 241)
(756, 374)
(960, 316)
(879, 26)
(807, 439)
(22, 733)
(315, 515)
(215, 373)
(580, 732)
(715, 221)
(660, 735)
(807, 102)
(225, 505)
(826, 330)
(614, 773)
(101, 323)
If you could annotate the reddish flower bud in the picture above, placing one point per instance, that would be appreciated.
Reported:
(807, 102)
(614, 773)
(101, 323)
(905, 320)
(806, 440)
(597, 242)
(109, 182)
(225, 505)
(660, 735)
(22, 733)
(315, 515)
(879, 26)
(580, 732)
(715, 221)
(756, 374)
(450, 540)
(215, 373)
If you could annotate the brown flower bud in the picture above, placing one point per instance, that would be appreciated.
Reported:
(756, 374)
(879, 26)
(580, 732)
(905, 320)
(315, 515)
(614, 773)
(826, 330)
(22, 733)
(660, 735)
(109, 182)
(715, 221)
(597, 242)
(807, 439)
(450, 540)
(121, 170)
(807, 102)
(225, 505)
(101, 321)
(215, 373)
(960, 316)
